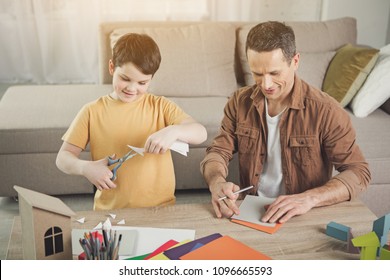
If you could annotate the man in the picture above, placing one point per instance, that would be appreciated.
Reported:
(288, 136)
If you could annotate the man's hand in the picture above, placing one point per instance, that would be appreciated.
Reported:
(288, 206)
(98, 173)
(226, 207)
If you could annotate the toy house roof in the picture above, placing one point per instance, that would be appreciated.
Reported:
(44, 202)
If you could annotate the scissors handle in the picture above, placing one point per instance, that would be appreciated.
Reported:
(114, 172)
(112, 161)
(121, 160)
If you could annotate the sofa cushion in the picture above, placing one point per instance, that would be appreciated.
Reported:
(376, 89)
(347, 72)
(197, 60)
(373, 138)
(319, 39)
(34, 118)
(312, 67)
(49, 110)
(386, 106)
(207, 111)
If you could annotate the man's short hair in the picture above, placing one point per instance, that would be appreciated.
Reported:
(139, 49)
(272, 35)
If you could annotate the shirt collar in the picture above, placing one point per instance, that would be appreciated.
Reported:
(296, 100)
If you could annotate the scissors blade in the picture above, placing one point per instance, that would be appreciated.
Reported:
(139, 151)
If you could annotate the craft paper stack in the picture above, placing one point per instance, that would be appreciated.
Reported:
(211, 247)
(224, 248)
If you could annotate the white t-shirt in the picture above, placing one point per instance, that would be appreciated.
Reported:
(271, 180)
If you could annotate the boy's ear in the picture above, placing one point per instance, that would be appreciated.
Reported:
(111, 67)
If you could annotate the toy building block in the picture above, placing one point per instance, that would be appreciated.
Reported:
(369, 244)
(381, 227)
(338, 231)
(384, 253)
(350, 248)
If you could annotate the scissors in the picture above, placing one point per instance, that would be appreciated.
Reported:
(134, 151)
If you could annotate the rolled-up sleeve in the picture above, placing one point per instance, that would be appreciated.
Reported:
(224, 145)
(344, 153)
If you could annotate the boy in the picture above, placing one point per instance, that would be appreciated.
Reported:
(129, 116)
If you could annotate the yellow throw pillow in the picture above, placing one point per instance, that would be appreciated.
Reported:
(347, 72)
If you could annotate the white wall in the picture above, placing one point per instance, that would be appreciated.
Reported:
(263, 10)
(56, 41)
(372, 15)
(372, 18)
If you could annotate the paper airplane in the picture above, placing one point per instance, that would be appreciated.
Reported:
(121, 222)
(137, 150)
(178, 146)
(82, 220)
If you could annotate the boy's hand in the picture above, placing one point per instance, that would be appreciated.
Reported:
(98, 173)
(160, 141)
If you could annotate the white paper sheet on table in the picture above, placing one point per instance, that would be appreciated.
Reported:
(252, 209)
(145, 239)
(178, 146)
(151, 238)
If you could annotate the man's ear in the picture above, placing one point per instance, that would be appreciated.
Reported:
(111, 67)
(295, 61)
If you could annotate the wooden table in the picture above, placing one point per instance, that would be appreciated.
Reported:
(302, 237)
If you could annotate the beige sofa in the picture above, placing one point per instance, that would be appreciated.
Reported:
(203, 64)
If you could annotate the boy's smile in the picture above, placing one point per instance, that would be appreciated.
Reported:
(129, 82)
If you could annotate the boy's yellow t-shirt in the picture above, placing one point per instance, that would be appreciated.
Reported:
(108, 126)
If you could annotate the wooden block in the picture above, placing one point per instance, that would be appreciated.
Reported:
(381, 227)
(369, 244)
(384, 253)
(338, 231)
(350, 248)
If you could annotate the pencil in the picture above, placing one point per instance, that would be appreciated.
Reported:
(116, 250)
(239, 191)
(105, 237)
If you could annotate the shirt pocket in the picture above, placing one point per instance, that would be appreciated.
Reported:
(247, 138)
(302, 148)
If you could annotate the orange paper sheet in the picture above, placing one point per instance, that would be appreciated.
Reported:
(225, 248)
(266, 229)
